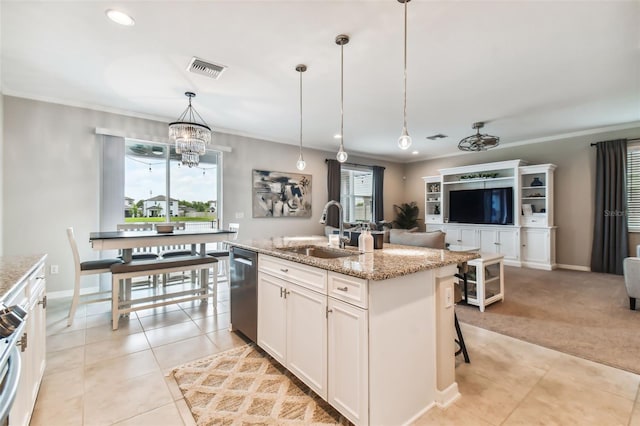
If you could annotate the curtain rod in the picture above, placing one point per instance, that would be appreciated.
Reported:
(355, 164)
(628, 140)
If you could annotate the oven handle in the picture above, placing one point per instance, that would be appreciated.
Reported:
(10, 387)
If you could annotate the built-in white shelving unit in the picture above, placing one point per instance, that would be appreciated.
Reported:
(529, 241)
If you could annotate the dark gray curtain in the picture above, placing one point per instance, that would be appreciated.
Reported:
(610, 245)
(333, 186)
(378, 199)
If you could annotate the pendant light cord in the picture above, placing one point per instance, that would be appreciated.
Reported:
(404, 111)
(300, 72)
(342, 96)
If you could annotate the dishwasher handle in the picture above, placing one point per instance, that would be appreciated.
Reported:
(243, 260)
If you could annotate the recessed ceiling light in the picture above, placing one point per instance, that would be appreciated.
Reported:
(120, 17)
(415, 152)
(337, 136)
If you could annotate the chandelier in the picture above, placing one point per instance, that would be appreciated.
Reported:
(191, 137)
(478, 142)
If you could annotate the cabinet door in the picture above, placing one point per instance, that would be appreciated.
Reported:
(508, 243)
(468, 237)
(39, 336)
(307, 337)
(535, 246)
(488, 240)
(272, 316)
(348, 365)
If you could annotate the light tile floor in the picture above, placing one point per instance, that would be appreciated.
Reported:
(96, 376)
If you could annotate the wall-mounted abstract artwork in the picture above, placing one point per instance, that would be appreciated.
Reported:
(281, 194)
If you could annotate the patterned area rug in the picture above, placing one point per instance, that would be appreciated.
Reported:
(245, 386)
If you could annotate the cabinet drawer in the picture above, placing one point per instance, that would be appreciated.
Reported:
(349, 289)
(534, 221)
(304, 275)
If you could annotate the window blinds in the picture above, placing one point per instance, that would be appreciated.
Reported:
(633, 187)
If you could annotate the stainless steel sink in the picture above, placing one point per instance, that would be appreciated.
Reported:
(319, 251)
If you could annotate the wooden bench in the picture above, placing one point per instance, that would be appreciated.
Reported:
(122, 302)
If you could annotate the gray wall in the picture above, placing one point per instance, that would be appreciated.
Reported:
(51, 173)
(251, 154)
(574, 184)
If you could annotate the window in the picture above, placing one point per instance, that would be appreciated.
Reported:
(633, 187)
(356, 193)
(158, 188)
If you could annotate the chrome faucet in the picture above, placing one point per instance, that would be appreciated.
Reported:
(323, 220)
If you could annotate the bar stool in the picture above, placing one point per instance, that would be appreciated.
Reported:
(460, 341)
(90, 267)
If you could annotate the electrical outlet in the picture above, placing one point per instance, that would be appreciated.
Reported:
(54, 269)
(239, 215)
(448, 297)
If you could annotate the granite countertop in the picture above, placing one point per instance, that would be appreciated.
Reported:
(389, 262)
(14, 269)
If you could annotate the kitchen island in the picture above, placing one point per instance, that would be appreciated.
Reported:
(373, 334)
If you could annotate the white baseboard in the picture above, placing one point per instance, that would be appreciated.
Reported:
(543, 266)
(574, 267)
(68, 293)
(413, 419)
(445, 398)
(515, 263)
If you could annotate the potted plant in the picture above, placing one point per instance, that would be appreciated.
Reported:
(406, 215)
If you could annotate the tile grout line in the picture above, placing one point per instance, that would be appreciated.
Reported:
(529, 392)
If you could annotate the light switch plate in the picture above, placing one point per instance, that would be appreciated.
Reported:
(239, 215)
(54, 269)
(448, 297)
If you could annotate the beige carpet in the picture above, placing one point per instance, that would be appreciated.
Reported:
(245, 386)
(580, 313)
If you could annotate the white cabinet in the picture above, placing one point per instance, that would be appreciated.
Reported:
(459, 235)
(500, 240)
(32, 345)
(348, 358)
(292, 328)
(366, 347)
(538, 248)
(532, 208)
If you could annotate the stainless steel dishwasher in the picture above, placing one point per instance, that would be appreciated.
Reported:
(244, 291)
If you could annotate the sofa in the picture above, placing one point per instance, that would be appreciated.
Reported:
(409, 237)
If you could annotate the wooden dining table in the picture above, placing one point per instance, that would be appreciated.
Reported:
(128, 240)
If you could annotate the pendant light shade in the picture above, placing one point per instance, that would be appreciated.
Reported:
(301, 164)
(191, 137)
(404, 142)
(341, 40)
(478, 142)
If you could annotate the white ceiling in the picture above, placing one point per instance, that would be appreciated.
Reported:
(531, 69)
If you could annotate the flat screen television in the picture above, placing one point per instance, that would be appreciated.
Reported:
(484, 206)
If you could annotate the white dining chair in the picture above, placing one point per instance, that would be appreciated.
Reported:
(90, 267)
(222, 252)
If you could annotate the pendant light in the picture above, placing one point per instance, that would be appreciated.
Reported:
(404, 142)
(341, 40)
(301, 164)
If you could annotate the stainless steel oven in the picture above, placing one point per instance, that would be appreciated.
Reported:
(12, 323)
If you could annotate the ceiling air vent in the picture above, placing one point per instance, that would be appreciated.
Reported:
(208, 69)
(436, 136)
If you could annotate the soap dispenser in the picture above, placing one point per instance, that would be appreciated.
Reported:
(361, 241)
(368, 241)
